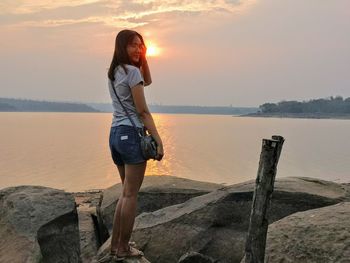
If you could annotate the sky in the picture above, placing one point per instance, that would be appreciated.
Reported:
(210, 53)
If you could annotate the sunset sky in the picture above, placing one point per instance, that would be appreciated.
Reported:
(214, 53)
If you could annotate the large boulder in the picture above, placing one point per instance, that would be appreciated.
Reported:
(313, 236)
(155, 193)
(216, 224)
(38, 224)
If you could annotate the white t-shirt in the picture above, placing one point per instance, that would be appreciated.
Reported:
(123, 84)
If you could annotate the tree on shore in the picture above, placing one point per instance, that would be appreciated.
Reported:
(326, 105)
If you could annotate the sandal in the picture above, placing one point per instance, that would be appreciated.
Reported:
(131, 252)
(132, 243)
(114, 252)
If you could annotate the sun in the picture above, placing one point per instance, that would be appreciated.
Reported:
(152, 50)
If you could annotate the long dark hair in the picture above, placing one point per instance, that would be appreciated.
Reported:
(120, 56)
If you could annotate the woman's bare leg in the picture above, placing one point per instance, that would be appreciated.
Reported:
(134, 174)
(116, 220)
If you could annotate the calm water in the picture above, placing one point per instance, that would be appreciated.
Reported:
(70, 150)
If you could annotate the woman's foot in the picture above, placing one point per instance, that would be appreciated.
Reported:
(131, 252)
(132, 243)
(114, 251)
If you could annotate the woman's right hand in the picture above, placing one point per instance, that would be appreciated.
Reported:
(143, 56)
(160, 152)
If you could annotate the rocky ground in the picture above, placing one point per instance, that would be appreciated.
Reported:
(178, 220)
(88, 198)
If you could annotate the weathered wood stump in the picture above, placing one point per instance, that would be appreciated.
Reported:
(258, 224)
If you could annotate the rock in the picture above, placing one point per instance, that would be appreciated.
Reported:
(313, 236)
(311, 186)
(155, 193)
(38, 224)
(88, 236)
(127, 260)
(215, 224)
(104, 257)
(346, 186)
(194, 257)
(90, 197)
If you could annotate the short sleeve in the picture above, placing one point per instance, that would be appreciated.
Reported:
(134, 77)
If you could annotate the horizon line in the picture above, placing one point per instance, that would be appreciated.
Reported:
(150, 104)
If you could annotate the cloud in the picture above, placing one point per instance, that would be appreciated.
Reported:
(111, 21)
(29, 6)
(119, 14)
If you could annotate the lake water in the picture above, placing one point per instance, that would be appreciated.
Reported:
(70, 150)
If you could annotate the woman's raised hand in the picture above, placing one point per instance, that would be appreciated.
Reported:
(143, 55)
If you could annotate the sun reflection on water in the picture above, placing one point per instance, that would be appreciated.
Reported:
(165, 166)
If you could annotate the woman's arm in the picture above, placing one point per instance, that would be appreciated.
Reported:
(146, 117)
(146, 72)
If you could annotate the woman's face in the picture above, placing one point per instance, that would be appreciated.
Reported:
(134, 50)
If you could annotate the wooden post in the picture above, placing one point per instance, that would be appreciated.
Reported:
(258, 224)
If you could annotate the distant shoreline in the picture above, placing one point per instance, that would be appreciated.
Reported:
(299, 115)
(261, 115)
(22, 105)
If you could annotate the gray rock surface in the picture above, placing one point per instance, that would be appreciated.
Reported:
(88, 238)
(346, 186)
(313, 236)
(127, 260)
(215, 224)
(38, 223)
(195, 257)
(155, 193)
(179, 220)
(103, 256)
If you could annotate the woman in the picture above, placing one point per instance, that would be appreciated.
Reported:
(128, 74)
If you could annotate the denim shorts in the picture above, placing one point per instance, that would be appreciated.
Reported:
(125, 145)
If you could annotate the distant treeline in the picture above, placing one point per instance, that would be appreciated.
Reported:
(179, 109)
(42, 106)
(326, 105)
(47, 106)
(201, 109)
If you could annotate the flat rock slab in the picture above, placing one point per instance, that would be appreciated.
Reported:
(215, 224)
(309, 185)
(155, 193)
